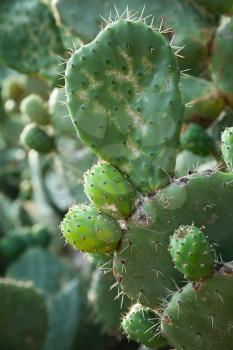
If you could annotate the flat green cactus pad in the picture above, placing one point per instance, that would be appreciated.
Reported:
(142, 264)
(23, 316)
(29, 39)
(200, 316)
(221, 59)
(123, 96)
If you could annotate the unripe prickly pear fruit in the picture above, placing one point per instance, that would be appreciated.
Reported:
(141, 325)
(35, 109)
(89, 230)
(191, 252)
(109, 190)
(36, 138)
(227, 147)
(196, 140)
(13, 88)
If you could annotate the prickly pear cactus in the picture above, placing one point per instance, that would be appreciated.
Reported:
(200, 315)
(34, 137)
(17, 332)
(133, 98)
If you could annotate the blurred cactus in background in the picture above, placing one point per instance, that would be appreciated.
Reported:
(116, 158)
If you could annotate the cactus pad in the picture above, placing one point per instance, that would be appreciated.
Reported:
(29, 39)
(89, 230)
(200, 316)
(109, 190)
(23, 316)
(125, 83)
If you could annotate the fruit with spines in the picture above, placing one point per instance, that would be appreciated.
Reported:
(194, 138)
(91, 231)
(109, 190)
(142, 325)
(128, 88)
(227, 147)
(35, 109)
(191, 252)
(34, 137)
(199, 316)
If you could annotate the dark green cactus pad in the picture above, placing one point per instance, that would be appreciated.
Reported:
(227, 147)
(89, 230)
(180, 16)
(106, 306)
(194, 138)
(128, 88)
(142, 265)
(200, 315)
(204, 102)
(34, 137)
(221, 59)
(47, 272)
(29, 39)
(142, 325)
(217, 7)
(23, 316)
(35, 109)
(191, 252)
(109, 190)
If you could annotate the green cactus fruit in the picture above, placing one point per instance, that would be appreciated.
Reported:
(202, 99)
(227, 147)
(194, 138)
(199, 316)
(89, 230)
(128, 88)
(10, 107)
(23, 316)
(109, 190)
(217, 7)
(106, 306)
(13, 88)
(191, 252)
(35, 109)
(221, 59)
(31, 44)
(179, 16)
(142, 325)
(33, 137)
(142, 264)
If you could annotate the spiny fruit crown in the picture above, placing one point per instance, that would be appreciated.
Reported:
(89, 230)
(109, 190)
(191, 252)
